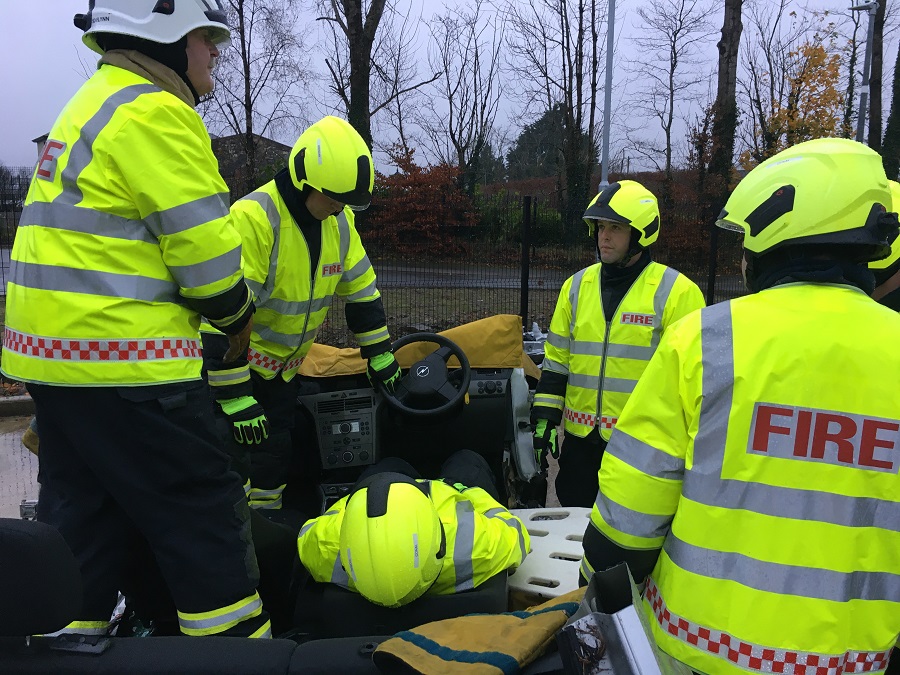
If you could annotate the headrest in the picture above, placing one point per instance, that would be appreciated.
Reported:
(40, 584)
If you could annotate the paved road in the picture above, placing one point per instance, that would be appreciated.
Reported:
(18, 467)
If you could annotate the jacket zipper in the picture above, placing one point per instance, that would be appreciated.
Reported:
(312, 295)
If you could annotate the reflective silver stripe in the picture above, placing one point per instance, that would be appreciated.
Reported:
(591, 382)
(771, 577)
(587, 348)
(208, 271)
(549, 400)
(267, 494)
(255, 287)
(287, 307)
(234, 616)
(219, 378)
(464, 545)
(636, 352)
(558, 341)
(372, 338)
(644, 457)
(574, 290)
(363, 294)
(358, 270)
(512, 522)
(344, 232)
(555, 366)
(84, 220)
(660, 298)
(264, 199)
(631, 522)
(186, 216)
(339, 574)
(82, 151)
(785, 502)
(718, 389)
(306, 528)
(618, 384)
(93, 282)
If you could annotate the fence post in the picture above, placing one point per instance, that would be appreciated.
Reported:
(526, 259)
(713, 260)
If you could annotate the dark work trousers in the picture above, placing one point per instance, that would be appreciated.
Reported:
(269, 463)
(463, 466)
(579, 462)
(120, 466)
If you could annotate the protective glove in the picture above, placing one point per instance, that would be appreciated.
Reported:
(248, 420)
(544, 439)
(385, 369)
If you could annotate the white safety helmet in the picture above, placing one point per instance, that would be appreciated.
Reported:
(162, 21)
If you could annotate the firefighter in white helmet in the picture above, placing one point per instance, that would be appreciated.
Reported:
(124, 243)
(607, 323)
(752, 479)
(300, 248)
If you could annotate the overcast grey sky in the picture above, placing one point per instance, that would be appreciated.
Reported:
(45, 63)
(40, 49)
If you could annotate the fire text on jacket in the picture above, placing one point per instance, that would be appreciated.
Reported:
(639, 319)
(332, 269)
(832, 437)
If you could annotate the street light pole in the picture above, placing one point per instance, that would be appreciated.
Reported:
(607, 93)
(871, 7)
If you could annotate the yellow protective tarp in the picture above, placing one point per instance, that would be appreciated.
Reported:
(495, 342)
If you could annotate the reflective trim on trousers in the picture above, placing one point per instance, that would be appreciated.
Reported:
(755, 657)
(219, 620)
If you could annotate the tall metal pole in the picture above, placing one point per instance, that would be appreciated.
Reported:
(607, 93)
(867, 66)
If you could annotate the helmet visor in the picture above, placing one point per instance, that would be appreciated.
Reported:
(219, 35)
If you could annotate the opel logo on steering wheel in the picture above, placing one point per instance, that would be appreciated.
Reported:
(422, 371)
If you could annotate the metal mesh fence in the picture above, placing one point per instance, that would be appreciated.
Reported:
(480, 270)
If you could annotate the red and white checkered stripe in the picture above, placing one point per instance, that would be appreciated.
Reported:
(269, 363)
(608, 422)
(757, 657)
(579, 417)
(60, 349)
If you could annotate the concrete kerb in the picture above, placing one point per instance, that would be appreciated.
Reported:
(14, 406)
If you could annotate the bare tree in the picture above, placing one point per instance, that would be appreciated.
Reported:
(260, 79)
(358, 48)
(875, 125)
(555, 50)
(465, 51)
(714, 184)
(669, 39)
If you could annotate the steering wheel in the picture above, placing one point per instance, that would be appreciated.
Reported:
(430, 389)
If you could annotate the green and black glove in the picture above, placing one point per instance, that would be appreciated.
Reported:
(385, 369)
(544, 440)
(248, 420)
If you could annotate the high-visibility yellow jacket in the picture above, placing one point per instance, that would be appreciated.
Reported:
(124, 239)
(595, 365)
(760, 452)
(483, 539)
(293, 292)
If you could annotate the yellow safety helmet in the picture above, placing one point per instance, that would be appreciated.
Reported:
(331, 157)
(820, 192)
(628, 202)
(392, 540)
(162, 21)
(886, 267)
